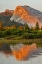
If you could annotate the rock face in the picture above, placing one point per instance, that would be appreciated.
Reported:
(26, 14)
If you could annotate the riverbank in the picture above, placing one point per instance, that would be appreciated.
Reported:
(24, 41)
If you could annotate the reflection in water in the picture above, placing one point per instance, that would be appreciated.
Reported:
(34, 58)
(20, 51)
(23, 51)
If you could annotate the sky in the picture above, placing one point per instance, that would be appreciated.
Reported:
(11, 4)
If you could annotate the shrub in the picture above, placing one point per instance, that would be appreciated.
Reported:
(34, 31)
(26, 27)
(31, 36)
(37, 26)
(39, 33)
(28, 36)
(0, 33)
(6, 32)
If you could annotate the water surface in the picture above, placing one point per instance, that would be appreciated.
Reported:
(34, 58)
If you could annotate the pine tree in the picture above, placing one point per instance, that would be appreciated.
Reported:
(37, 26)
(26, 27)
(1, 25)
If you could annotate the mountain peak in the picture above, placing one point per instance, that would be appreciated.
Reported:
(28, 14)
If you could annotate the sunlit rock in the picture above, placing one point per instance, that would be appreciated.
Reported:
(27, 14)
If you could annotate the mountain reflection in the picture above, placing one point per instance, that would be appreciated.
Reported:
(23, 52)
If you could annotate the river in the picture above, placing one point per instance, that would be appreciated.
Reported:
(35, 58)
(7, 54)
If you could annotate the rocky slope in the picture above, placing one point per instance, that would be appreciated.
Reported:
(5, 18)
(26, 14)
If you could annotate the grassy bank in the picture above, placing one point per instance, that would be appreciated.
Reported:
(24, 41)
(25, 36)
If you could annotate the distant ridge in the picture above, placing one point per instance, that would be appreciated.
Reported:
(7, 13)
(5, 18)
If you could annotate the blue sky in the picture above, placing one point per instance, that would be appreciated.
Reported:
(11, 4)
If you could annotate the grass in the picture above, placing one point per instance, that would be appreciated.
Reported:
(24, 41)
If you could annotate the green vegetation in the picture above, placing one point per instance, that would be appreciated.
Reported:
(26, 27)
(25, 34)
(37, 26)
(22, 34)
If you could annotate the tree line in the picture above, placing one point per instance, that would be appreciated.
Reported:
(26, 27)
(25, 32)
